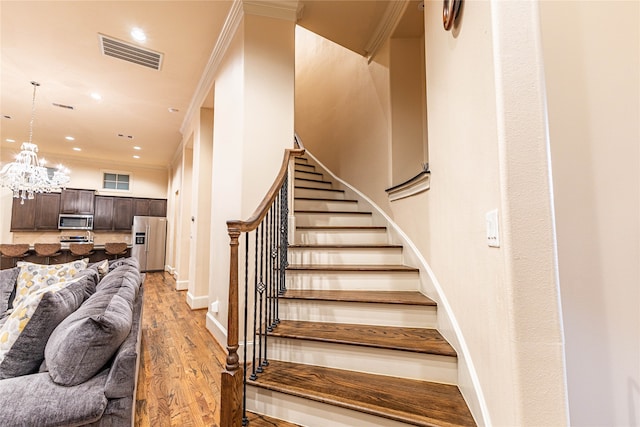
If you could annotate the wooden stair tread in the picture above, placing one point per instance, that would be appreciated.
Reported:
(417, 340)
(344, 246)
(308, 211)
(299, 187)
(324, 199)
(341, 227)
(307, 171)
(420, 403)
(353, 267)
(385, 297)
(259, 420)
(319, 181)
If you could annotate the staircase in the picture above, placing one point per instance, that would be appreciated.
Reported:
(357, 344)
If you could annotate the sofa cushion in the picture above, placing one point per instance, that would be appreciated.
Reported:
(86, 340)
(8, 279)
(33, 277)
(35, 400)
(24, 335)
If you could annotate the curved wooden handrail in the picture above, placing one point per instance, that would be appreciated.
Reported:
(231, 379)
(261, 211)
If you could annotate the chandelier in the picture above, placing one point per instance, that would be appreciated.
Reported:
(28, 175)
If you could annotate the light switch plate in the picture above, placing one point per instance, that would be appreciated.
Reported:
(493, 229)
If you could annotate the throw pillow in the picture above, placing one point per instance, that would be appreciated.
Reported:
(86, 340)
(8, 280)
(24, 335)
(33, 276)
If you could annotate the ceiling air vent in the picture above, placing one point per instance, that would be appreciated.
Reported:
(130, 53)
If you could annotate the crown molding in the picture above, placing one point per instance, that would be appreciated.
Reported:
(388, 23)
(231, 24)
(289, 10)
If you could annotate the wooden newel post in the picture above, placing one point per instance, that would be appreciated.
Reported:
(231, 384)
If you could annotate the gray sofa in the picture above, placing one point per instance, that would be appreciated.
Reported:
(78, 364)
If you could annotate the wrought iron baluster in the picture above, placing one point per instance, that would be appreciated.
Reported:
(261, 288)
(254, 375)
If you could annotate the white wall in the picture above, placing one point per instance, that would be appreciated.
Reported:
(592, 53)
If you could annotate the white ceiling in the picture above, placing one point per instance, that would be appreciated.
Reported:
(56, 43)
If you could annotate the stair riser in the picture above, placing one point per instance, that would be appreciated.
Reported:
(304, 166)
(306, 173)
(409, 316)
(313, 182)
(345, 237)
(322, 205)
(320, 194)
(401, 364)
(310, 413)
(299, 256)
(324, 280)
(334, 219)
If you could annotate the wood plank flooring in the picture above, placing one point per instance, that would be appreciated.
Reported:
(179, 377)
(181, 363)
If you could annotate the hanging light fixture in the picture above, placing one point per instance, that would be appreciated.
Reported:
(27, 175)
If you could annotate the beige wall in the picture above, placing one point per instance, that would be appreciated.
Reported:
(253, 125)
(593, 81)
(487, 150)
(342, 112)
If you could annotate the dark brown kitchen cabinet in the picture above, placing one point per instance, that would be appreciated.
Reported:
(103, 213)
(75, 201)
(23, 216)
(113, 213)
(40, 213)
(122, 214)
(150, 207)
(47, 210)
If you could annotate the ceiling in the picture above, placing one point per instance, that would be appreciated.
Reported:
(57, 44)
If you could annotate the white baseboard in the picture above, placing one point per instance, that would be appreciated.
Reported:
(219, 333)
(182, 285)
(197, 302)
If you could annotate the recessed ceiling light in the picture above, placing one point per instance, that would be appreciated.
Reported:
(77, 149)
(136, 157)
(6, 116)
(10, 140)
(137, 148)
(173, 110)
(138, 34)
(69, 138)
(96, 96)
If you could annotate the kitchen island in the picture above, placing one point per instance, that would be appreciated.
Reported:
(98, 253)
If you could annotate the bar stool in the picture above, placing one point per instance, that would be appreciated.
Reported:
(15, 251)
(47, 250)
(81, 250)
(115, 249)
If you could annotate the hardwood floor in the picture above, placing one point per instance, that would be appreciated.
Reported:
(179, 377)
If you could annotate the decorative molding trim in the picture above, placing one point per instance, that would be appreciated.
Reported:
(182, 285)
(385, 27)
(197, 303)
(218, 331)
(415, 185)
(289, 10)
(206, 80)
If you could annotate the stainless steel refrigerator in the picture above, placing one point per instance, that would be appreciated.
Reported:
(149, 241)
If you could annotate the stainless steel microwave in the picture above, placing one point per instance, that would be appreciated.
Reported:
(75, 222)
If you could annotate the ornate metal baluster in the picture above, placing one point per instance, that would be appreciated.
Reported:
(261, 287)
(254, 375)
